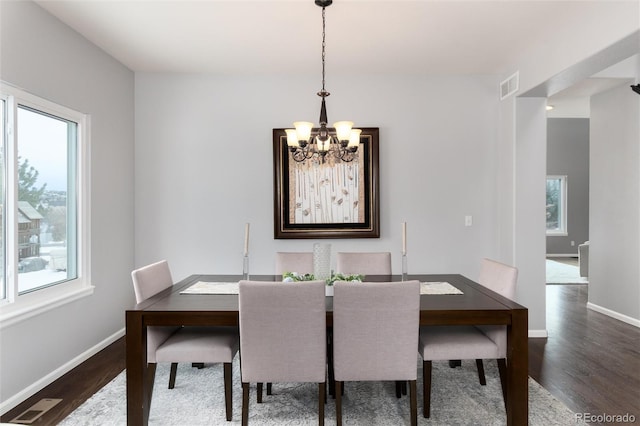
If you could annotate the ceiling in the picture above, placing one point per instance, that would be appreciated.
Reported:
(428, 37)
(284, 36)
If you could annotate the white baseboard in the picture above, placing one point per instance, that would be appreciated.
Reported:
(613, 314)
(538, 333)
(16, 399)
(563, 255)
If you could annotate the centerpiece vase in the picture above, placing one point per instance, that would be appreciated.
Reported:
(321, 261)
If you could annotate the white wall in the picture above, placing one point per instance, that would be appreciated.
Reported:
(592, 44)
(529, 208)
(204, 166)
(46, 58)
(614, 250)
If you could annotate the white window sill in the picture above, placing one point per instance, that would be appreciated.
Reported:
(41, 301)
(557, 234)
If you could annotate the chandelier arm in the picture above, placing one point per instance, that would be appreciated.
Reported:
(298, 156)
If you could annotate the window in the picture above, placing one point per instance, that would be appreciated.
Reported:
(557, 205)
(44, 196)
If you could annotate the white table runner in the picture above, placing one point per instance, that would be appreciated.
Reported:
(438, 288)
(205, 287)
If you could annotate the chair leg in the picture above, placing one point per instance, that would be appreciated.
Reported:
(245, 404)
(480, 365)
(172, 374)
(502, 369)
(332, 388)
(268, 388)
(401, 388)
(321, 393)
(414, 402)
(426, 389)
(228, 391)
(338, 396)
(259, 388)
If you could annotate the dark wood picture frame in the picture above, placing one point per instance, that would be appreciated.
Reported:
(368, 225)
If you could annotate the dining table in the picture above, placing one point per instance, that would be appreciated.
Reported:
(473, 304)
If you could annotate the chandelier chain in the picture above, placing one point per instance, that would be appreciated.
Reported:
(323, 47)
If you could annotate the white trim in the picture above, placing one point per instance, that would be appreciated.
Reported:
(30, 390)
(563, 255)
(538, 334)
(18, 307)
(615, 315)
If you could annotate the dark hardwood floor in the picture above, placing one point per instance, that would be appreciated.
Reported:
(76, 386)
(590, 362)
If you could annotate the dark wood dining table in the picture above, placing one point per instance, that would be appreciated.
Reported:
(476, 306)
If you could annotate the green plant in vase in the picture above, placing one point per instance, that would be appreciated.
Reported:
(295, 277)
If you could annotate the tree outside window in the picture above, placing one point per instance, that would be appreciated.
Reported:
(556, 205)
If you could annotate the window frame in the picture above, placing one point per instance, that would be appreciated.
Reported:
(17, 307)
(562, 228)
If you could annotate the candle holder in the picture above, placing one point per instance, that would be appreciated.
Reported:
(404, 267)
(245, 267)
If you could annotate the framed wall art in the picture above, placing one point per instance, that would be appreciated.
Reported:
(327, 198)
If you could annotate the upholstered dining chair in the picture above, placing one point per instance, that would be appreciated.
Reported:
(300, 262)
(468, 342)
(367, 263)
(184, 344)
(282, 336)
(372, 263)
(375, 335)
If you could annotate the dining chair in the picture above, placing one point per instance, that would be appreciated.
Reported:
(470, 342)
(282, 336)
(375, 335)
(300, 262)
(367, 263)
(184, 344)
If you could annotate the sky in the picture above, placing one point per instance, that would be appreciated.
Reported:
(43, 140)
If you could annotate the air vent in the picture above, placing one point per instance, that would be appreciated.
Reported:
(509, 86)
(36, 411)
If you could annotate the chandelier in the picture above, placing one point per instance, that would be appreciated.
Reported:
(340, 142)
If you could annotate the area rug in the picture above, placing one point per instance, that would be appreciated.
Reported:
(198, 399)
(562, 273)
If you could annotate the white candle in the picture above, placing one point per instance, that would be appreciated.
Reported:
(246, 239)
(404, 238)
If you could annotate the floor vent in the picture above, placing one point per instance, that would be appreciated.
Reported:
(509, 86)
(34, 412)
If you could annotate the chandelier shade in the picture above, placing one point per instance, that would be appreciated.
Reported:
(340, 142)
